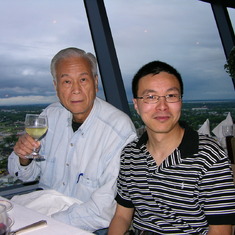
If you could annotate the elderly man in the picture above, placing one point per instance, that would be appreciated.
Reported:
(82, 146)
(173, 180)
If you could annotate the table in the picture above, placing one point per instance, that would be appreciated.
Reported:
(23, 216)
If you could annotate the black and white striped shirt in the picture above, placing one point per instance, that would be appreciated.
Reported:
(191, 189)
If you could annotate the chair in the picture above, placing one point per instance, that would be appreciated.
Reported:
(230, 142)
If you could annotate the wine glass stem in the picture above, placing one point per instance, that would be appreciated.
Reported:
(36, 150)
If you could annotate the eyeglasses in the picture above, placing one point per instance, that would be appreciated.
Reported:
(153, 99)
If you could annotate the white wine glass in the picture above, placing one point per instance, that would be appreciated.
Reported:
(36, 126)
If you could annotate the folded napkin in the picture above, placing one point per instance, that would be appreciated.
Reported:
(228, 121)
(205, 128)
(46, 202)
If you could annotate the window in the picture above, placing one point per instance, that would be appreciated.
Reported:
(182, 33)
(31, 33)
(231, 12)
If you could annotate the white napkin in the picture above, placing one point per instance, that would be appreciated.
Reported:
(228, 121)
(46, 202)
(205, 128)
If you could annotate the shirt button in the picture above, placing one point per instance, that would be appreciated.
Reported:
(64, 183)
(67, 164)
(71, 144)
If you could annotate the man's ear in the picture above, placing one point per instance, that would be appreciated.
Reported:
(135, 105)
(54, 83)
(96, 83)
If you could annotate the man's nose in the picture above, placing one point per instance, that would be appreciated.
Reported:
(162, 103)
(76, 89)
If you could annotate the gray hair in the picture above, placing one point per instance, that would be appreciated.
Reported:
(73, 52)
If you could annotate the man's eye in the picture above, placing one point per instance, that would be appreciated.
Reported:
(83, 79)
(151, 97)
(171, 95)
(67, 82)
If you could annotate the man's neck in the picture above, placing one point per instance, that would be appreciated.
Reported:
(161, 145)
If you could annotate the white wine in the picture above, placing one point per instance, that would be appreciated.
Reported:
(36, 132)
(36, 126)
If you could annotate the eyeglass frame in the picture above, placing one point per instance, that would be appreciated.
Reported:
(158, 98)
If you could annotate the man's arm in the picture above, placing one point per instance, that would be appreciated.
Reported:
(24, 147)
(121, 221)
(220, 229)
(18, 164)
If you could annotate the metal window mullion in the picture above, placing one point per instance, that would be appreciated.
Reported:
(106, 55)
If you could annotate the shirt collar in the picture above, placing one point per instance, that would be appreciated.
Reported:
(188, 146)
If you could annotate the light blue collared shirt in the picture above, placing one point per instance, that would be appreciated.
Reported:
(82, 164)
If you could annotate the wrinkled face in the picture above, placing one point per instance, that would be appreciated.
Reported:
(76, 86)
(161, 117)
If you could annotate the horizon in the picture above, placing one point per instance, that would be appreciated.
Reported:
(129, 102)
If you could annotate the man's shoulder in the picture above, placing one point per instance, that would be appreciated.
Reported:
(57, 106)
(207, 140)
(110, 112)
(210, 147)
(106, 105)
(132, 146)
(132, 153)
(55, 109)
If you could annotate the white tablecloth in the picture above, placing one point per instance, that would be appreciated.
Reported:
(23, 216)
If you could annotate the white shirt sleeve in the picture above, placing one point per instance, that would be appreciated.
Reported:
(24, 173)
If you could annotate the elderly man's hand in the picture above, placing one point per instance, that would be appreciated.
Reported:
(24, 147)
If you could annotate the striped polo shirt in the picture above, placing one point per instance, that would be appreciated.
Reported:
(192, 188)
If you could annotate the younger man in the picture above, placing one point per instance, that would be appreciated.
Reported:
(173, 180)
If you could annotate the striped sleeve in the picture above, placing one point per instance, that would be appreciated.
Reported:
(123, 197)
(217, 186)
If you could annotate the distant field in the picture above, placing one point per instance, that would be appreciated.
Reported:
(194, 113)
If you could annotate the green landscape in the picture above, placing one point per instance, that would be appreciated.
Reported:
(194, 113)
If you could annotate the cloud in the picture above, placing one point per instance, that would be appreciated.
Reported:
(19, 100)
(182, 33)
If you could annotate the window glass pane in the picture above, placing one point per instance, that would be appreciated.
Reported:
(231, 12)
(31, 33)
(180, 32)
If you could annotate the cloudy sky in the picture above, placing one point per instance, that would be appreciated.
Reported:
(180, 32)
